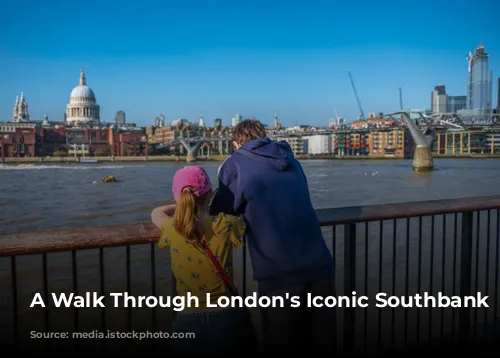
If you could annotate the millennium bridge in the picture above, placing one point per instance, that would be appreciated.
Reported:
(450, 247)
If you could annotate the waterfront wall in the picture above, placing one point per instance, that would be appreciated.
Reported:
(168, 158)
(221, 158)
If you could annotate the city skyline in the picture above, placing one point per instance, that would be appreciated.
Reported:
(185, 70)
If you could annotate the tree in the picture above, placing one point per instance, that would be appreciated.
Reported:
(60, 153)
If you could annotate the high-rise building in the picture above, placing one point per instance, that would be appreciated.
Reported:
(236, 119)
(120, 117)
(439, 100)
(498, 96)
(456, 103)
(21, 113)
(160, 120)
(374, 115)
(318, 144)
(479, 82)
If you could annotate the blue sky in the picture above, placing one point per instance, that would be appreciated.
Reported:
(219, 58)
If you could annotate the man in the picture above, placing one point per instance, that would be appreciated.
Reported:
(264, 182)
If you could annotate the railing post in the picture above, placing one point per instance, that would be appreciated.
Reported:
(174, 289)
(465, 274)
(349, 283)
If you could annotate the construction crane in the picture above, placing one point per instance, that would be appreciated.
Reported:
(400, 99)
(339, 120)
(357, 98)
(336, 114)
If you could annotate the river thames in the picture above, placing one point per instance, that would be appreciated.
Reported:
(39, 197)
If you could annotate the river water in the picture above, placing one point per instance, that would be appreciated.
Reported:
(38, 197)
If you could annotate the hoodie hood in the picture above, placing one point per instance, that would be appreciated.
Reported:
(277, 155)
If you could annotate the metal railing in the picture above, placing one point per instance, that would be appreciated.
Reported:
(450, 247)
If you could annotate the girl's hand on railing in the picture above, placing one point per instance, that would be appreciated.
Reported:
(159, 214)
(170, 207)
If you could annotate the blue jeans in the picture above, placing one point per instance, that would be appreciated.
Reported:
(215, 332)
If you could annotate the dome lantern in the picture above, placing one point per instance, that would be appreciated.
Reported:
(83, 81)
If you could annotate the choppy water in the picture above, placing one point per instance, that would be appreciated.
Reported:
(36, 197)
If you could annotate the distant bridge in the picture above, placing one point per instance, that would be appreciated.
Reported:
(423, 121)
(190, 140)
(192, 144)
(451, 118)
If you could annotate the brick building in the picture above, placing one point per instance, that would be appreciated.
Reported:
(88, 141)
(51, 140)
(35, 139)
(133, 143)
(18, 140)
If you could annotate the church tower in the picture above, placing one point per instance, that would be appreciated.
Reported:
(201, 123)
(20, 110)
(277, 124)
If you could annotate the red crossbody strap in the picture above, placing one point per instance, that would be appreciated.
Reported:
(219, 267)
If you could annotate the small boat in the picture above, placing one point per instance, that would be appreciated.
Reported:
(109, 179)
(106, 179)
(89, 161)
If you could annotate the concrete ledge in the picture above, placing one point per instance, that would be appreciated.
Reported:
(71, 160)
(221, 158)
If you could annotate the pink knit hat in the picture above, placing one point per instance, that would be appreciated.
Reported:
(193, 176)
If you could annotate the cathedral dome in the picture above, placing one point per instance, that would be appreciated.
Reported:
(82, 107)
(82, 92)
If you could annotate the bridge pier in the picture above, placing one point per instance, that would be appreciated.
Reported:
(192, 151)
(422, 159)
(191, 157)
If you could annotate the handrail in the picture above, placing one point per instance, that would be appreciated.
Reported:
(79, 238)
(358, 214)
(92, 237)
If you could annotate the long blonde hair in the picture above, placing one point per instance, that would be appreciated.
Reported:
(187, 213)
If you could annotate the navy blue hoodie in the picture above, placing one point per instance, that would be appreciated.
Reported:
(266, 184)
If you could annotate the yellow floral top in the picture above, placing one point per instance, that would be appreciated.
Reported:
(193, 270)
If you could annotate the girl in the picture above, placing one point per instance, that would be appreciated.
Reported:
(195, 240)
